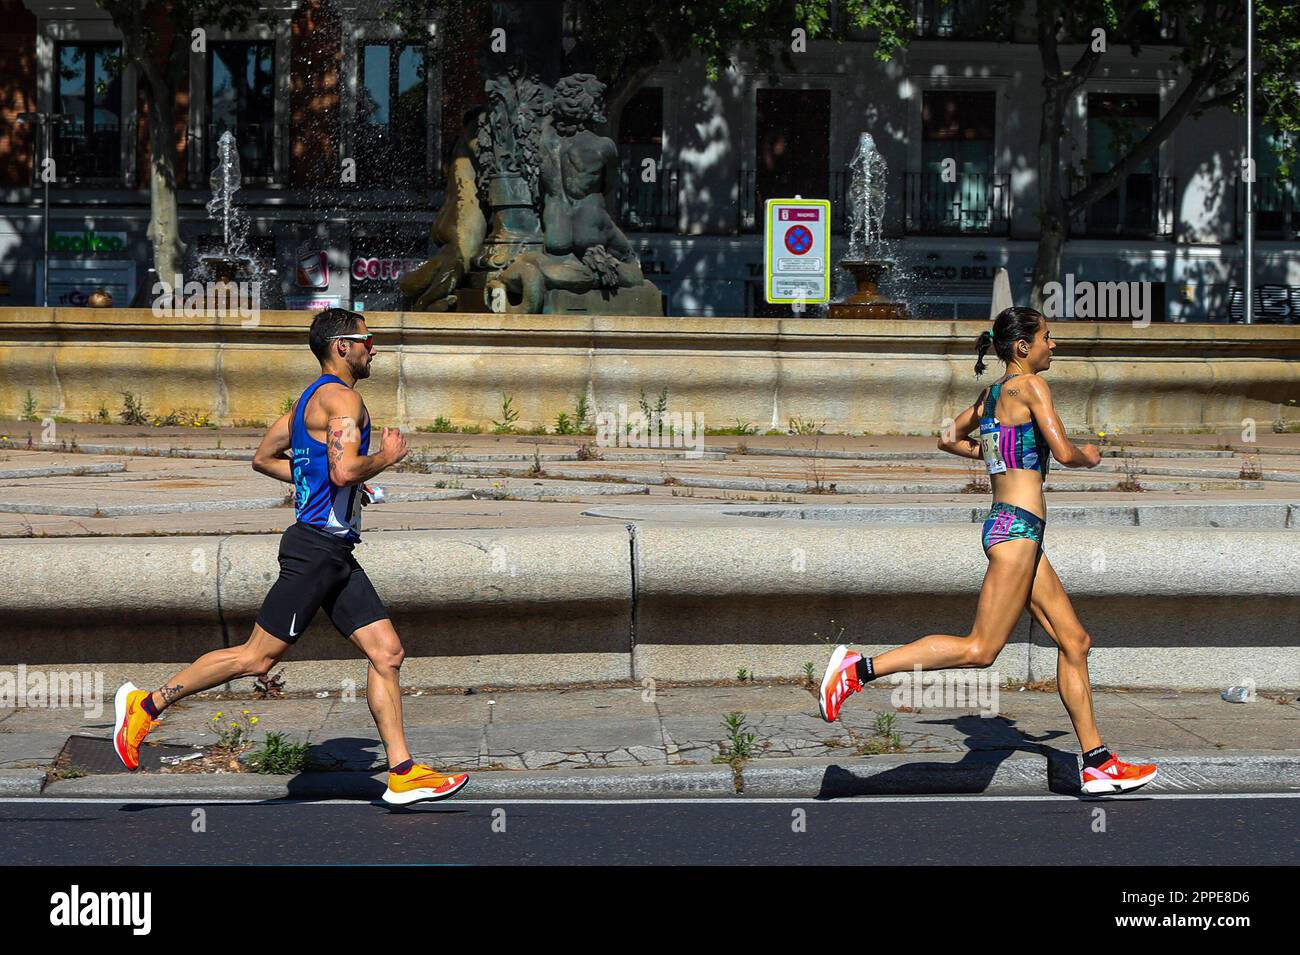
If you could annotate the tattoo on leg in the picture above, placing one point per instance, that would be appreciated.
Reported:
(170, 693)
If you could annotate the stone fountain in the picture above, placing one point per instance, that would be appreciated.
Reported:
(528, 225)
(232, 262)
(868, 176)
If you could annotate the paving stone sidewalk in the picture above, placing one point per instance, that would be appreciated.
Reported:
(570, 729)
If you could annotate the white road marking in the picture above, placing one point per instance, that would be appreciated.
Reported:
(666, 801)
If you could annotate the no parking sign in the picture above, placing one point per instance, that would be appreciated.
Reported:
(797, 250)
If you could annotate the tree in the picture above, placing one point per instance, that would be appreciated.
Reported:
(1210, 67)
(157, 38)
(624, 41)
(627, 40)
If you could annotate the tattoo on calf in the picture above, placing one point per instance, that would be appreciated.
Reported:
(170, 693)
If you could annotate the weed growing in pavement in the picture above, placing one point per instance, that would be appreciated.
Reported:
(1132, 470)
(132, 410)
(29, 407)
(1251, 469)
(508, 417)
(808, 674)
(233, 734)
(278, 757)
(977, 478)
(739, 744)
(884, 739)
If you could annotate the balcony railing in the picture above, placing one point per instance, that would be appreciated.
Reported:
(256, 144)
(648, 206)
(962, 20)
(80, 156)
(1141, 207)
(1277, 208)
(975, 204)
(750, 200)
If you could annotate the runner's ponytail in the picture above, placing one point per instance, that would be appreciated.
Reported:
(982, 344)
(1012, 325)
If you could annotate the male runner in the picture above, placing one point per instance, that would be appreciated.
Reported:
(327, 430)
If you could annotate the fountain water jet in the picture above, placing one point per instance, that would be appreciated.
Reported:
(867, 178)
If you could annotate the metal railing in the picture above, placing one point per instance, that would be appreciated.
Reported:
(974, 204)
(750, 200)
(1274, 304)
(84, 155)
(1277, 208)
(1141, 207)
(961, 20)
(648, 206)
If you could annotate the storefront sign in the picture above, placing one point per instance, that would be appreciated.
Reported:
(87, 242)
(375, 269)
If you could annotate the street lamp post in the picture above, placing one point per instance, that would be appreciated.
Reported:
(43, 123)
(1249, 250)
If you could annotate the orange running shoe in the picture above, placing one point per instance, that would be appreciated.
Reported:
(422, 783)
(1114, 776)
(840, 682)
(132, 724)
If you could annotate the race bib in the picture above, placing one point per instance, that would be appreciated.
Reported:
(990, 448)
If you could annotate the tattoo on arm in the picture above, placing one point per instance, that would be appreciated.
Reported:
(341, 429)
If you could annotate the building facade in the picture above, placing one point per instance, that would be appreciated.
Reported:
(343, 126)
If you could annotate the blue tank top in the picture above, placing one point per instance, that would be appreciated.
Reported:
(319, 502)
(1011, 447)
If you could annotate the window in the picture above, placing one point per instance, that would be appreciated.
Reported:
(792, 150)
(241, 99)
(963, 19)
(1115, 122)
(957, 137)
(1277, 197)
(88, 90)
(392, 114)
(645, 205)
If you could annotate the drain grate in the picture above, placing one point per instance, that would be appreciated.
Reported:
(96, 755)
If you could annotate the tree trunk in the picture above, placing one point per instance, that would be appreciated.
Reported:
(164, 218)
(1053, 217)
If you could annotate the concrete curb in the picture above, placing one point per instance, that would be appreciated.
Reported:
(21, 782)
(989, 772)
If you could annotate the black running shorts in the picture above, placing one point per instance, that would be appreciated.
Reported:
(318, 570)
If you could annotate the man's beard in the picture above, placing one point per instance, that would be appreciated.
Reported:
(361, 370)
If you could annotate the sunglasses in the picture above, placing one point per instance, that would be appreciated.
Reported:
(367, 338)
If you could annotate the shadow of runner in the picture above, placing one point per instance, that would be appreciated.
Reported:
(343, 768)
(990, 741)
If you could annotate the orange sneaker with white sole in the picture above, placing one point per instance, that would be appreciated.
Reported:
(422, 784)
(131, 724)
(1116, 776)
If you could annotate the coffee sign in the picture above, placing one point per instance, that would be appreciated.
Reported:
(375, 269)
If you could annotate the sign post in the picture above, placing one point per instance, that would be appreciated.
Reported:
(797, 251)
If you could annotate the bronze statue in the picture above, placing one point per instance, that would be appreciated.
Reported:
(458, 229)
(523, 161)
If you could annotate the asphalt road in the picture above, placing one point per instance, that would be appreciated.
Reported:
(1156, 830)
